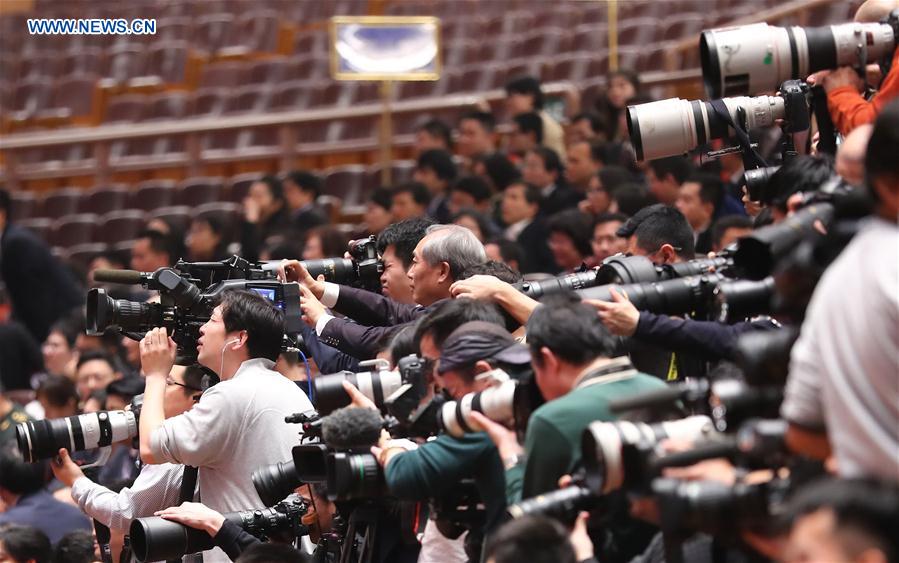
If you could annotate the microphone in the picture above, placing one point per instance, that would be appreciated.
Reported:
(352, 427)
(126, 277)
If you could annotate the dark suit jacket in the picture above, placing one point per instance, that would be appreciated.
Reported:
(41, 289)
(307, 218)
(253, 235)
(47, 514)
(562, 198)
(20, 356)
(327, 358)
(536, 255)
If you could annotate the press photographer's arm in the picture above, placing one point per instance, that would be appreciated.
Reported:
(157, 354)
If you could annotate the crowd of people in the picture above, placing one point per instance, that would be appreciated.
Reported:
(482, 213)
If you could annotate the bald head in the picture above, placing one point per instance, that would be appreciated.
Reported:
(872, 11)
(850, 162)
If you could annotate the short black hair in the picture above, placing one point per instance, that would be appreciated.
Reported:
(711, 188)
(91, 355)
(570, 328)
(215, 223)
(609, 217)
(499, 270)
(75, 547)
(438, 128)
(419, 192)
(381, 197)
(804, 173)
(865, 506)
(449, 314)
(58, 390)
(5, 202)
(275, 188)
(404, 237)
(729, 222)
(401, 343)
(264, 323)
(509, 250)
(486, 119)
(551, 160)
(68, 327)
(126, 387)
(530, 122)
(500, 169)
(272, 552)
(475, 186)
(27, 543)
(883, 146)
(597, 124)
(631, 197)
(193, 379)
(531, 192)
(527, 85)
(576, 225)
(536, 539)
(440, 161)
(17, 476)
(160, 243)
(661, 224)
(679, 167)
(627, 74)
(306, 181)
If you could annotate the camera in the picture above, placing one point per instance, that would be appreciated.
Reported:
(347, 474)
(157, 539)
(378, 385)
(560, 504)
(561, 284)
(362, 270)
(42, 439)
(756, 58)
(756, 182)
(621, 269)
(183, 306)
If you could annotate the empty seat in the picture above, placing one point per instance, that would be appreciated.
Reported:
(210, 33)
(223, 75)
(153, 194)
(177, 216)
(31, 96)
(345, 182)
(257, 31)
(75, 94)
(168, 61)
(127, 108)
(120, 225)
(239, 185)
(291, 95)
(197, 191)
(74, 229)
(87, 60)
(41, 226)
(103, 200)
(24, 205)
(226, 212)
(168, 105)
(270, 71)
(125, 61)
(207, 103)
(61, 202)
(81, 254)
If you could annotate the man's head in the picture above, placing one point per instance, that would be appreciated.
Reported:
(535, 539)
(204, 237)
(151, 250)
(268, 194)
(844, 520)
(728, 229)
(433, 134)
(523, 94)
(665, 176)
(18, 478)
(527, 132)
(505, 251)
(470, 192)
(432, 330)
(183, 388)
(58, 396)
(606, 241)
(301, 188)
(396, 245)
(244, 325)
(805, 173)
(25, 544)
(569, 238)
(410, 200)
(698, 198)
(120, 392)
(94, 372)
(377, 210)
(474, 348)
(585, 127)
(521, 201)
(565, 336)
(476, 134)
(435, 169)
(542, 167)
(850, 160)
(881, 164)
(58, 350)
(661, 233)
(582, 163)
(440, 258)
(495, 168)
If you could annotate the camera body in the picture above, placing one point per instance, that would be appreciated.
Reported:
(381, 385)
(362, 270)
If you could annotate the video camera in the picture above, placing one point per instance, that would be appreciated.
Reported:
(183, 306)
(363, 270)
(157, 539)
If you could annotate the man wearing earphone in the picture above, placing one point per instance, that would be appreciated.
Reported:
(238, 425)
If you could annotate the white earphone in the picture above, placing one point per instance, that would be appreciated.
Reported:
(224, 346)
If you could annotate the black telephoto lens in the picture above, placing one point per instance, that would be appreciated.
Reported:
(756, 182)
(563, 504)
(42, 439)
(335, 270)
(274, 483)
(561, 284)
(354, 476)
(157, 539)
(103, 312)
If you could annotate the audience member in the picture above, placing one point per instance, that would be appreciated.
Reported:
(569, 240)
(436, 170)
(476, 222)
(586, 127)
(496, 169)
(526, 134)
(505, 251)
(521, 214)
(206, 241)
(265, 214)
(151, 250)
(470, 192)
(325, 241)
(629, 198)
(433, 134)
(728, 230)
(377, 210)
(57, 396)
(600, 189)
(524, 95)
(301, 191)
(93, 372)
(606, 241)
(543, 168)
(698, 199)
(665, 176)
(476, 134)
(583, 164)
(409, 201)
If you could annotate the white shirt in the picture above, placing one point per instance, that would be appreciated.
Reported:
(515, 229)
(844, 369)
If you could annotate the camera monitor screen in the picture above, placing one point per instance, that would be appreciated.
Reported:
(385, 48)
(269, 293)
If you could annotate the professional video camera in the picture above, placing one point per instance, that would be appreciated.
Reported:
(362, 270)
(157, 539)
(183, 306)
(42, 439)
(378, 385)
(756, 58)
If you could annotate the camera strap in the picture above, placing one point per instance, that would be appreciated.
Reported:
(618, 369)
(751, 157)
(186, 492)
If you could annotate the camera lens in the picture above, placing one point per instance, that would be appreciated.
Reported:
(570, 282)
(742, 299)
(354, 476)
(376, 385)
(103, 312)
(157, 539)
(756, 181)
(562, 504)
(274, 483)
(336, 270)
(496, 403)
(42, 439)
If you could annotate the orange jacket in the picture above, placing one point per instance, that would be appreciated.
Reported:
(848, 108)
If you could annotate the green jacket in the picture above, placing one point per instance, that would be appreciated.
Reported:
(553, 440)
(437, 466)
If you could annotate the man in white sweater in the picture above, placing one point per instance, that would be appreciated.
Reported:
(238, 426)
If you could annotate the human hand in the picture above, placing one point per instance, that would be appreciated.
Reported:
(251, 210)
(480, 287)
(311, 306)
(580, 539)
(64, 469)
(294, 271)
(157, 353)
(504, 439)
(194, 515)
(357, 398)
(619, 315)
(843, 76)
(752, 208)
(585, 207)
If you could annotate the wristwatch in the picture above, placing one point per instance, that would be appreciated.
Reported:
(511, 461)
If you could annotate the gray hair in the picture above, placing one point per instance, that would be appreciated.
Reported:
(457, 246)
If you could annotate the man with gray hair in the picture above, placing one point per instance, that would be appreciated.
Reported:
(437, 262)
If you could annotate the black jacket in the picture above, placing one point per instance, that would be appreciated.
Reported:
(712, 340)
(536, 255)
(562, 198)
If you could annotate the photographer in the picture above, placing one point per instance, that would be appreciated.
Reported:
(841, 392)
(155, 487)
(396, 245)
(438, 260)
(239, 425)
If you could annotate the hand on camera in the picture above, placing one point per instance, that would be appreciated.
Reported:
(66, 470)
(194, 515)
(157, 353)
(837, 78)
(294, 271)
(357, 399)
(504, 439)
(311, 306)
(481, 287)
(619, 315)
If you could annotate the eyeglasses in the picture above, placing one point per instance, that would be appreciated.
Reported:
(170, 381)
